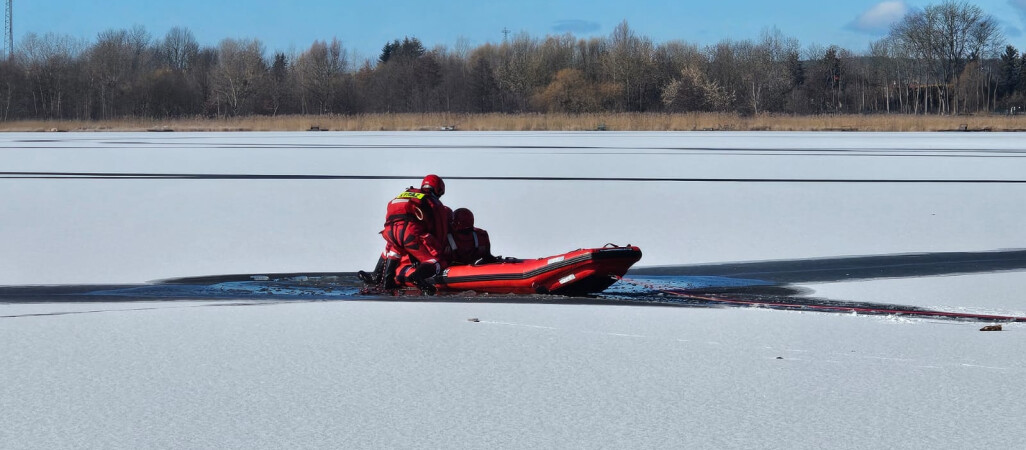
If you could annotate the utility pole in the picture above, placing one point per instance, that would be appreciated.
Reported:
(505, 33)
(9, 29)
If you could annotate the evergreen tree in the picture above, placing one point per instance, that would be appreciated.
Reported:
(796, 70)
(408, 49)
(279, 82)
(1021, 86)
(1009, 68)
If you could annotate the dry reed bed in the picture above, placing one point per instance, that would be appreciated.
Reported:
(544, 122)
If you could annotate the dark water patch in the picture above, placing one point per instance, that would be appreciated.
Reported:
(641, 288)
(848, 268)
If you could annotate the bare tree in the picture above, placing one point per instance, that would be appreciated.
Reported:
(671, 57)
(179, 48)
(49, 62)
(555, 53)
(588, 57)
(515, 72)
(483, 85)
(882, 72)
(12, 82)
(723, 68)
(944, 38)
(772, 53)
(117, 61)
(629, 64)
(240, 74)
(762, 70)
(321, 72)
(453, 95)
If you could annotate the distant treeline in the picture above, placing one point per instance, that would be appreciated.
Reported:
(945, 59)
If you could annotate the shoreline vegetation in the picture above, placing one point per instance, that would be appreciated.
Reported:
(943, 67)
(539, 122)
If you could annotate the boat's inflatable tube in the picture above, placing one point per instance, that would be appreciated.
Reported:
(579, 272)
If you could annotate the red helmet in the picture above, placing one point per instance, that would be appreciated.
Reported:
(462, 219)
(435, 183)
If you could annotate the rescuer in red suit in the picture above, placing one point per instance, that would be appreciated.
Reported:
(466, 243)
(373, 277)
(414, 223)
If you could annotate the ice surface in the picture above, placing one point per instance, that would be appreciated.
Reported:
(414, 375)
(355, 374)
(129, 230)
(998, 293)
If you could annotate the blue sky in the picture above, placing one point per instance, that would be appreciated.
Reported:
(364, 26)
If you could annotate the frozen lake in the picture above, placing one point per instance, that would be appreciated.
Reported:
(97, 228)
(923, 219)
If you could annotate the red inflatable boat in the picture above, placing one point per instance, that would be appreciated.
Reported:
(579, 272)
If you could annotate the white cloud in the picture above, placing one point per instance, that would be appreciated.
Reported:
(880, 17)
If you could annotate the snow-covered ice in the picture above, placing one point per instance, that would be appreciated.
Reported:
(129, 230)
(355, 374)
(413, 375)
